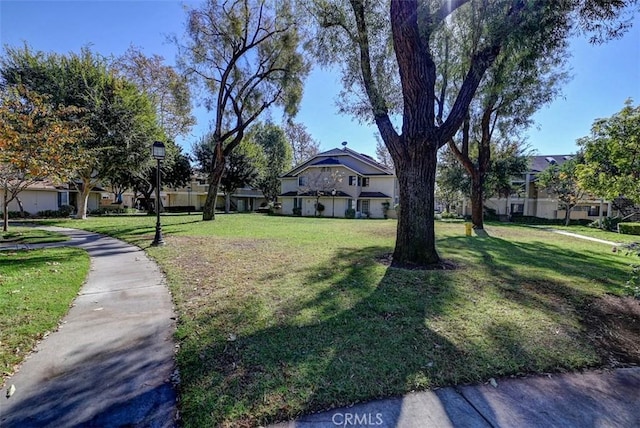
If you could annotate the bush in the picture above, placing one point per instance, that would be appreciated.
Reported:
(180, 208)
(66, 210)
(385, 209)
(350, 213)
(297, 211)
(447, 214)
(527, 219)
(608, 223)
(490, 214)
(16, 214)
(629, 228)
(319, 207)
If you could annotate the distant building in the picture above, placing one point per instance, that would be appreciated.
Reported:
(339, 180)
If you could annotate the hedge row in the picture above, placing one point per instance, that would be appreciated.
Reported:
(629, 228)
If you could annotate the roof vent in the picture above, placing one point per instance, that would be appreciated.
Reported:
(567, 157)
(550, 160)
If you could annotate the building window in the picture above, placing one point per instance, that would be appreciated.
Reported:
(302, 180)
(364, 206)
(594, 210)
(350, 204)
(325, 169)
(352, 180)
(297, 203)
(517, 209)
(365, 181)
(63, 198)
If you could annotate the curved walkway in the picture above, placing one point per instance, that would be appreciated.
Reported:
(110, 364)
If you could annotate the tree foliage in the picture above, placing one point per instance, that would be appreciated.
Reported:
(168, 91)
(383, 46)
(561, 181)
(37, 142)
(303, 146)
(611, 153)
(120, 118)
(246, 55)
(513, 89)
(275, 159)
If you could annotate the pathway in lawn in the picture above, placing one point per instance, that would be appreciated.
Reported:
(111, 361)
(575, 235)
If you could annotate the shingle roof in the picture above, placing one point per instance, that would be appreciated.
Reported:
(373, 195)
(339, 194)
(540, 163)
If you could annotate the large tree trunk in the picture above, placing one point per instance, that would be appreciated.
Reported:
(227, 202)
(209, 208)
(83, 198)
(567, 215)
(477, 201)
(415, 239)
(5, 209)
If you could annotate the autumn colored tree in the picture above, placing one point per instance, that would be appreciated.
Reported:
(120, 117)
(37, 141)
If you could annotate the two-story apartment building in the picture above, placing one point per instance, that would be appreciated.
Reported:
(338, 180)
(531, 199)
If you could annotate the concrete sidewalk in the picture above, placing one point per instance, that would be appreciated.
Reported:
(110, 364)
(572, 400)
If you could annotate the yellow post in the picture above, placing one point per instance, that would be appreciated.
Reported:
(467, 229)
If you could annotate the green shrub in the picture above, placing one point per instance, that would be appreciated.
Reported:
(447, 214)
(66, 210)
(350, 213)
(490, 214)
(629, 228)
(527, 219)
(297, 211)
(319, 207)
(385, 209)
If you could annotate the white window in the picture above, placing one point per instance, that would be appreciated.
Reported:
(352, 180)
(365, 181)
(302, 180)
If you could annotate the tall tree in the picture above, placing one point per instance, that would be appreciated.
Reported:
(275, 160)
(562, 181)
(121, 119)
(247, 56)
(611, 165)
(37, 142)
(380, 46)
(168, 91)
(303, 146)
(382, 155)
(241, 168)
(520, 81)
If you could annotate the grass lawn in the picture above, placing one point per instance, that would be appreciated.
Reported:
(599, 233)
(29, 235)
(36, 289)
(280, 316)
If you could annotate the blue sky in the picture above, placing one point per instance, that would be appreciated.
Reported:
(604, 76)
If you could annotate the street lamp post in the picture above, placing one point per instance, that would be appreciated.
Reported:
(189, 196)
(333, 210)
(158, 153)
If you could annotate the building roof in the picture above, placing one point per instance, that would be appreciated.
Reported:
(373, 195)
(333, 158)
(339, 194)
(540, 163)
